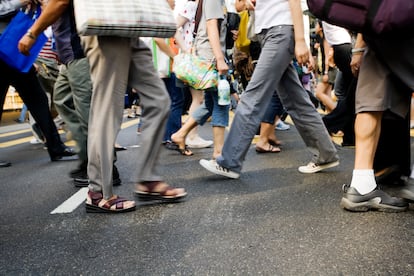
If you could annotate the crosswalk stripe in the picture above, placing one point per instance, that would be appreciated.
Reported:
(71, 203)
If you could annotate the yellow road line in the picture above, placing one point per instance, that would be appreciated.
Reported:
(27, 139)
(7, 134)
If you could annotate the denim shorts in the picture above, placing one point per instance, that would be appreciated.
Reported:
(210, 107)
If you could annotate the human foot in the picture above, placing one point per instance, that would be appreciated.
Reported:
(267, 149)
(95, 203)
(180, 142)
(158, 190)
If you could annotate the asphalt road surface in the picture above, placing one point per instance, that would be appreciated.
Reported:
(272, 221)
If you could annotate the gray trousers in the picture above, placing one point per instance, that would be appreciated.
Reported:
(72, 98)
(115, 63)
(274, 71)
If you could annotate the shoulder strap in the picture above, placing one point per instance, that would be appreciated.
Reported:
(198, 14)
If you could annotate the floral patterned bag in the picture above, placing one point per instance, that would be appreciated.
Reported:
(195, 71)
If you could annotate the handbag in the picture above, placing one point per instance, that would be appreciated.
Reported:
(243, 42)
(372, 17)
(125, 18)
(195, 71)
(11, 36)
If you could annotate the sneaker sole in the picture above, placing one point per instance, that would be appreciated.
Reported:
(373, 204)
(201, 146)
(229, 175)
(320, 167)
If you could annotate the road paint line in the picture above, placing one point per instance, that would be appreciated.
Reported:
(130, 123)
(71, 203)
(12, 133)
(15, 142)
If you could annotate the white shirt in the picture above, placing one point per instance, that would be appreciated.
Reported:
(335, 35)
(270, 13)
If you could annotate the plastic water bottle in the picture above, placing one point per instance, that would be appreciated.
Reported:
(223, 91)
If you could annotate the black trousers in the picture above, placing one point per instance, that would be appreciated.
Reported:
(394, 145)
(32, 94)
(343, 116)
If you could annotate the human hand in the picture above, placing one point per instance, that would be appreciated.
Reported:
(356, 63)
(301, 52)
(222, 67)
(25, 44)
(235, 34)
(250, 5)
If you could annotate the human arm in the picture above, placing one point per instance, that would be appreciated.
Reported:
(214, 38)
(357, 54)
(50, 14)
(301, 48)
(164, 47)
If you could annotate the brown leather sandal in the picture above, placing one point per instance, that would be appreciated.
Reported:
(96, 204)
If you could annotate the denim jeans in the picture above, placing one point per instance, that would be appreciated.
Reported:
(210, 107)
(176, 108)
(274, 108)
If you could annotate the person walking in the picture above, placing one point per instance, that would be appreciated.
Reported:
(28, 86)
(128, 62)
(279, 27)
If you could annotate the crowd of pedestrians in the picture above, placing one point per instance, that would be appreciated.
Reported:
(370, 77)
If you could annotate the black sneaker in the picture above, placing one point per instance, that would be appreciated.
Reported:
(81, 179)
(80, 171)
(375, 200)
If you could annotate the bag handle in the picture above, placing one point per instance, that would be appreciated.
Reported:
(198, 14)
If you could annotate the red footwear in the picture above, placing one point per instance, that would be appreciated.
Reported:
(159, 190)
(96, 204)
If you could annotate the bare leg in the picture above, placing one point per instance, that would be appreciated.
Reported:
(198, 98)
(267, 134)
(181, 134)
(218, 136)
(323, 93)
(367, 133)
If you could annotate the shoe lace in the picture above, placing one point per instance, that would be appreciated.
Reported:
(220, 168)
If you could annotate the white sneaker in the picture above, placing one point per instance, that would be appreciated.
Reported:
(282, 126)
(313, 167)
(212, 166)
(35, 141)
(198, 143)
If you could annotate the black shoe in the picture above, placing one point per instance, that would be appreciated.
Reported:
(4, 164)
(79, 171)
(67, 151)
(390, 176)
(81, 179)
(375, 200)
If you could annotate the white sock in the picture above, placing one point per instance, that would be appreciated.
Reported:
(363, 181)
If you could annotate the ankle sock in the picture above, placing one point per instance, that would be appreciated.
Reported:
(363, 181)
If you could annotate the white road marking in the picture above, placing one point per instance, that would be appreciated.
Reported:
(71, 203)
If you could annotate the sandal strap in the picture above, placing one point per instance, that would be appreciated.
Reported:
(117, 201)
(151, 185)
(95, 197)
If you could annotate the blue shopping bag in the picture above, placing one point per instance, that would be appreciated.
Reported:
(11, 36)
